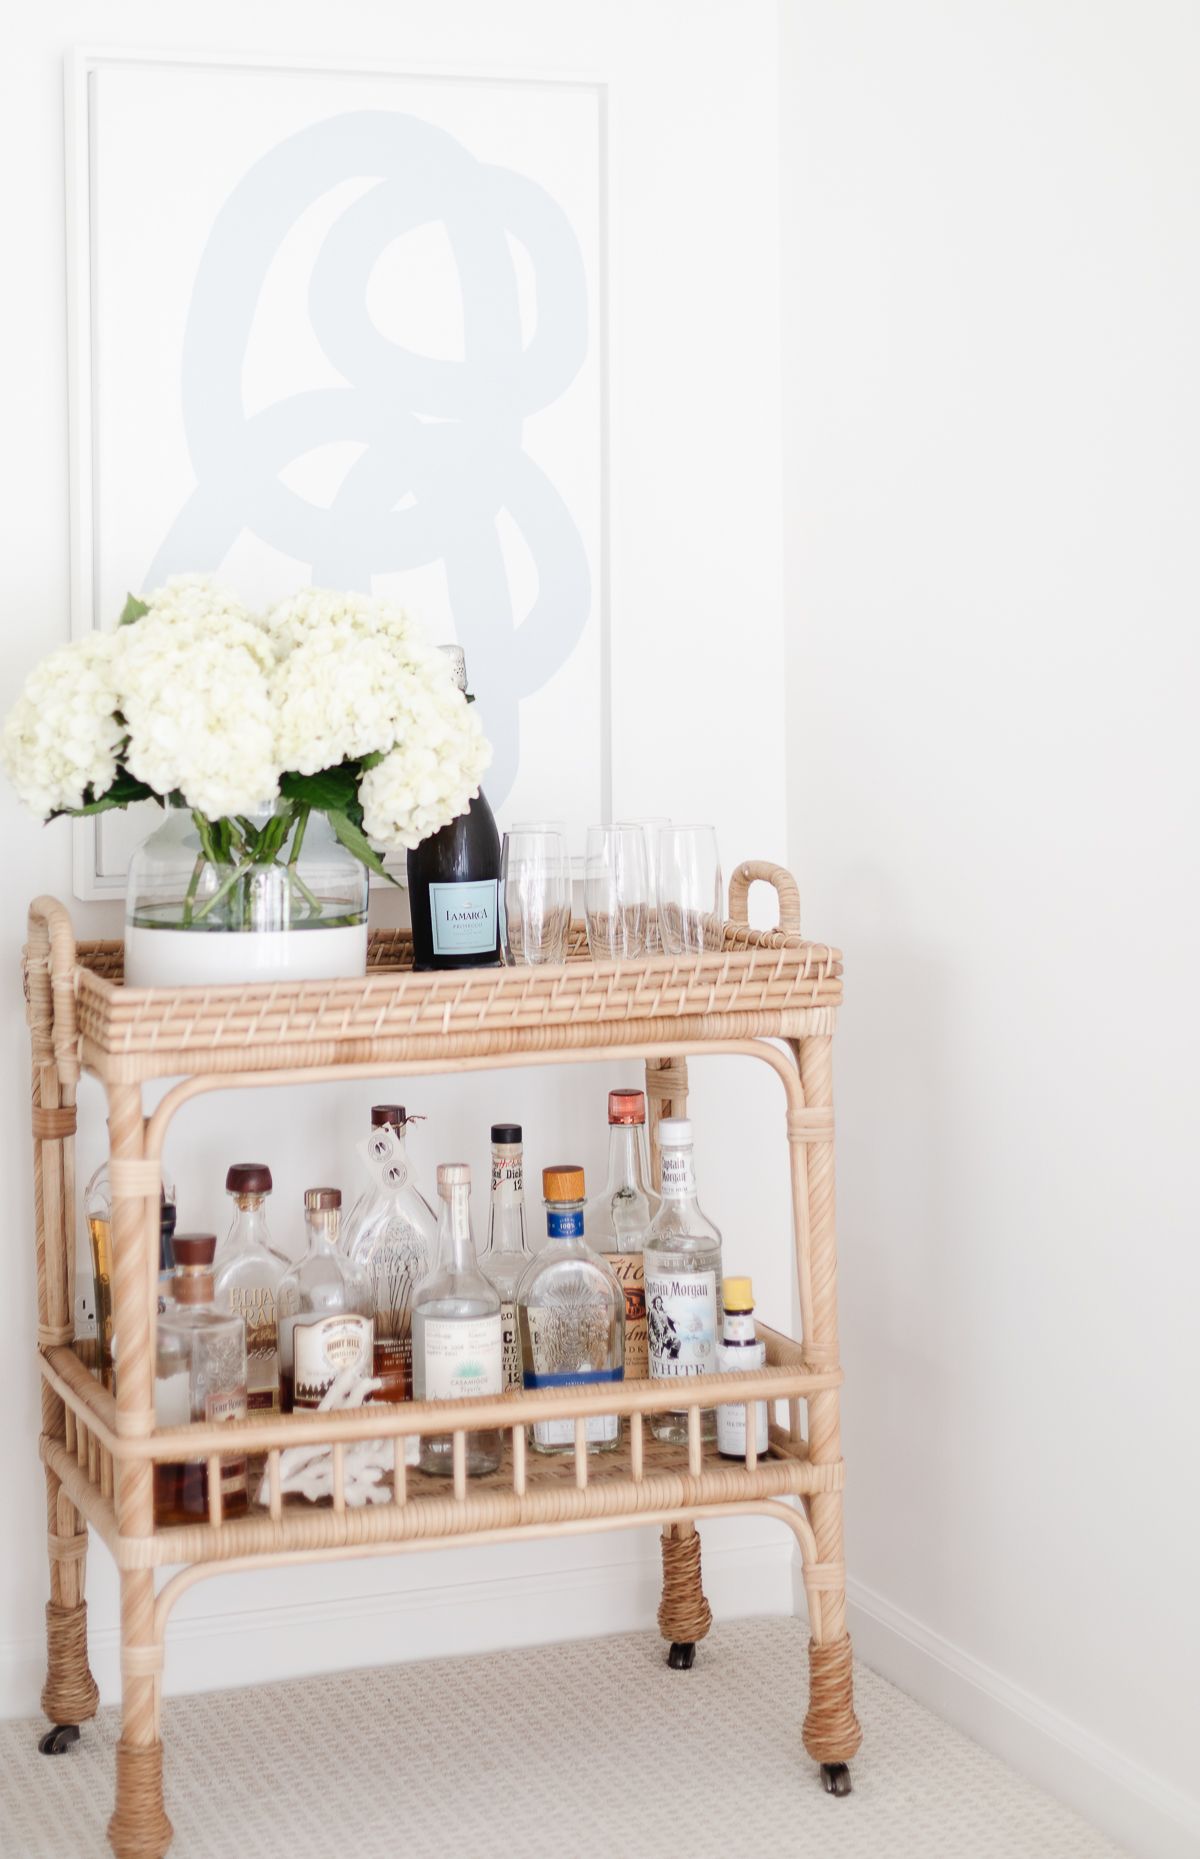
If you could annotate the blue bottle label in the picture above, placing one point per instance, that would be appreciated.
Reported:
(463, 917)
(565, 1225)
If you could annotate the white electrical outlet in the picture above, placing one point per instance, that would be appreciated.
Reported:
(85, 1311)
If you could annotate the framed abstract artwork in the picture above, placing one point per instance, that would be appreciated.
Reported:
(349, 328)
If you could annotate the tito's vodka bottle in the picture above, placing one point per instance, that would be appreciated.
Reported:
(571, 1311)
(246, 1272)
(683, 1280)
(199, 1374)
(618, 1219)
(392, 1235)
(324, 1306)
(506, 1256)
(452, 881)
(457, 1351)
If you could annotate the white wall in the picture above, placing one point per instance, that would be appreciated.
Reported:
(991, 299)
(695, 546)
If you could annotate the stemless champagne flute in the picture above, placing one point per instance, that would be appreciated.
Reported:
(691, 894)
(650, 824)
(616, 892)
(535, 897)
(559, 827)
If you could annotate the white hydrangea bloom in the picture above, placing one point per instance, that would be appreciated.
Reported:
(61, 737)
(193, 676)
(431, 775)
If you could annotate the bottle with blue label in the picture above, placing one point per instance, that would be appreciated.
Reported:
(453, 881)
(571, 1315)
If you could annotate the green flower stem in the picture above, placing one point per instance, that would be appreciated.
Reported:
(302, 814)
(193, 886)
(210, 903)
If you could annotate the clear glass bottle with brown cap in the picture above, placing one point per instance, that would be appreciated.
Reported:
(457, 1347)
(506, 1256)
(199, 1374)
(247, 1271)
(619, 1218)
(324, 1310)
(571, 1313)
(391, 1233)
(682, 1263)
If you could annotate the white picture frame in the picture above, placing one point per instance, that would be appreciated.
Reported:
(565, 725)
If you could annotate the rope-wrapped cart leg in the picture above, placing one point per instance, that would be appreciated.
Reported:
(684, 1615)
(69, 1696)
(831, 1730)
(139, 1828)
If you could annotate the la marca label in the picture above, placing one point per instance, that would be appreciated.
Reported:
(463, 917)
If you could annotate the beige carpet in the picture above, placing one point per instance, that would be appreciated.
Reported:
(587, 1751)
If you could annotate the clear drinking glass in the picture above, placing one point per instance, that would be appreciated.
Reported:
(691, 891)
(616, 892)
(650, 824)
(535, 897)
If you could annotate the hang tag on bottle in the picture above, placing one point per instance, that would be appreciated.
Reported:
(383, 1154)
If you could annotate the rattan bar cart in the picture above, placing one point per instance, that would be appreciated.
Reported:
(768, 994)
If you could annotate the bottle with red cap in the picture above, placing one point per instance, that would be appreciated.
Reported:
(391, 1235)
(199, 1374)
(619, 1218)
(247, 1271)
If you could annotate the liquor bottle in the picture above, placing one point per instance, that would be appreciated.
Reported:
(618, 1219)
(166, 1247)
(323, 1306)
(199, 1374)
(740, 1349)
(97, 1212)
(457, 1351)
(392, 1235)
(507, 1254)
(246, 1272)
(452, 881)
(682, 1261)
(571, 1313)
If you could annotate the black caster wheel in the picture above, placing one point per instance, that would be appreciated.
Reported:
(56, 1742)
(835, 1778)
(682, 1655)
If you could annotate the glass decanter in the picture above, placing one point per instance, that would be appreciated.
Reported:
(247, 1271)
(391, 1235)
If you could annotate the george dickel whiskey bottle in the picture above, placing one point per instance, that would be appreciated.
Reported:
(199, 1374)
(507, 1256)
(453, 880)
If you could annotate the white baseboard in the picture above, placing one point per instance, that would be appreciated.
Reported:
(1133, 1806)
(220, 1650)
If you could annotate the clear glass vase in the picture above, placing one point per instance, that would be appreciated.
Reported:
(205, 905)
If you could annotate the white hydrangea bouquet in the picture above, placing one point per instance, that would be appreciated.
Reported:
(330, 703)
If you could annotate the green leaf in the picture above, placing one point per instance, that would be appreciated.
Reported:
(371, 761)
(124, 791)
(356, 841)
(132, 610)
(333, 790)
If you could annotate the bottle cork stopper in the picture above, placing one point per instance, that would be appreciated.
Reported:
(248, 1178)
(388, 1116)
(564, 1182)
(195, 1249)
(737, 1293)
(453, 1175)
(317, 1200)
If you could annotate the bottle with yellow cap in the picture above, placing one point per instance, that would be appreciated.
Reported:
(739, 1349)
(571, 1314)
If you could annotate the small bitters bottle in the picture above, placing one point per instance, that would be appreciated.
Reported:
(683, 1281)
(199, 1374)
(571, 1312)
(324, 1310)
(457, 1352)
(507, 1255)
(618, 1219)
(740, 1350)
(247, 1271)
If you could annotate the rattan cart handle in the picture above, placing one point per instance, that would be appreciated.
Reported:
(786, 888)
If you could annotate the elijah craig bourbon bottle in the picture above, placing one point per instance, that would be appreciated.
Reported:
(453, 881)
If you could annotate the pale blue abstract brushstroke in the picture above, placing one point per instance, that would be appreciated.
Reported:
(447, 434)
